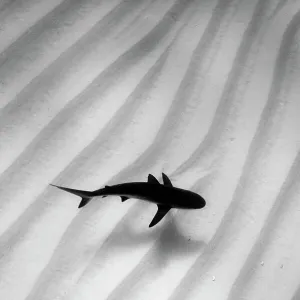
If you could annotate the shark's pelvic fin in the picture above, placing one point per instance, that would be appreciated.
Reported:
(124, 198)
(166, 180)
(161, 212)
(152, 179)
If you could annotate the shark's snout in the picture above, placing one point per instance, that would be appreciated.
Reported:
(194, 201)
(200, 203)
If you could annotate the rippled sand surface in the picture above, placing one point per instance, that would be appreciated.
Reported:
(104, 92)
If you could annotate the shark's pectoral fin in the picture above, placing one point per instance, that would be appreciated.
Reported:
(124, 198)
(166, 180)
(152, 179)
(161, 212)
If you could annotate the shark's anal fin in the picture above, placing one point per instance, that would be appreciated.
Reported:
(161, 212)
(152, 179)
(166, 180)
(124, 198)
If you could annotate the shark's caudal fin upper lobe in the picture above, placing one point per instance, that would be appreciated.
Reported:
(86, 196)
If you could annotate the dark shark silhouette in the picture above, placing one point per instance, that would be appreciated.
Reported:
(164, 195)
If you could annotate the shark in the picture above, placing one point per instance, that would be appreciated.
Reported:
(165, 195)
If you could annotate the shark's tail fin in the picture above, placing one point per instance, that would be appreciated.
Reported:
(86, 196)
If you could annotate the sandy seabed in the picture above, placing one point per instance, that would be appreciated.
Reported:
(94, 93)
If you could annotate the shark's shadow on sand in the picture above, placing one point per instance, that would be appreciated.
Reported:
(167, 241)
(172, 244)
(167, 245)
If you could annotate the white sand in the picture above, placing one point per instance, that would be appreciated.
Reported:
(104, 92)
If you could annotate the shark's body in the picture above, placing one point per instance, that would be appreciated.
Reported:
(164, 195)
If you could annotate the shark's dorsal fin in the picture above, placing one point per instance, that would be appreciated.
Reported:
(124, 198)
(166, 180)
(152, 179)
(161, 212)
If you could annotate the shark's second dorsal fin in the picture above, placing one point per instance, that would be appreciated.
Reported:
(166, 180)
(152, 179)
